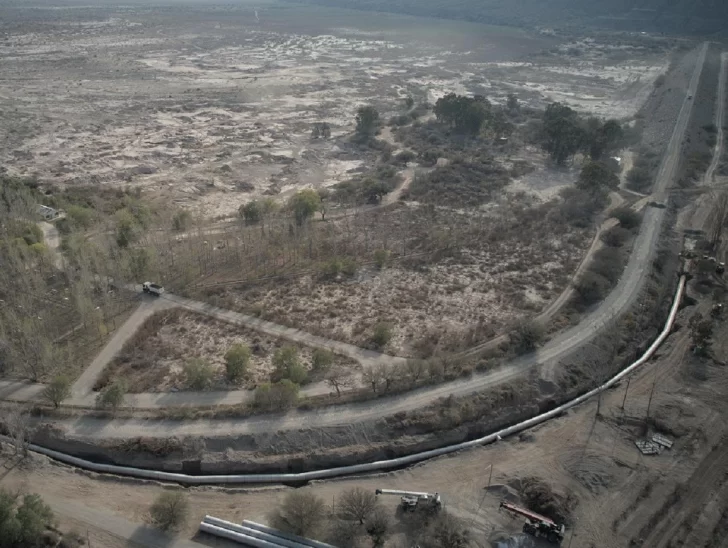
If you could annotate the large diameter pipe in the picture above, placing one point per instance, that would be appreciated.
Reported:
(230, 526)
(289, 536)
(371, 466)
(240, 538)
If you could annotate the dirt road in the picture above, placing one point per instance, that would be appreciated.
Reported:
(719, 116)
(134, 534)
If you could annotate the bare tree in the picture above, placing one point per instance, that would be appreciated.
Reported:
(718, 218)
(357, 504)
(17, 423)
(301, 513)
(339, 378)
(378, 527)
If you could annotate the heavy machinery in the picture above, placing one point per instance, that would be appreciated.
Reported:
(537, 525)
(412, 501)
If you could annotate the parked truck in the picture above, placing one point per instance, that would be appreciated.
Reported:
(152, 289)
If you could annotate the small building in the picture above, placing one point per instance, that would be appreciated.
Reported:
(48, 213)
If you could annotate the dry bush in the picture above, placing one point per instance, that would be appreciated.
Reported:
(540, 497)
(169, 511)
(357, 504)
(301, 513)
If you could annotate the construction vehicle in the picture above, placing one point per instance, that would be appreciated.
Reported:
(720, 268)
(412, 501)
(152, 289)
(537, 525)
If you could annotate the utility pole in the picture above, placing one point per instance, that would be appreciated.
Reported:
(629, 379)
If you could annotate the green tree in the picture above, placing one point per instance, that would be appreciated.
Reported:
(596, 178)
(562, 133)
(322, 359)
(301, 513)
(169, 510)
(252, 212)
(464, 114)
(288, 366)
(198, 374)
(34, 516)
(80, 217)
(367, 121)
(512, 104)
(57, 390)
(126, 228)
(304, 204)
(112, 396)
(237, 359)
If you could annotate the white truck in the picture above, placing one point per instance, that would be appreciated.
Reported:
(152, 289)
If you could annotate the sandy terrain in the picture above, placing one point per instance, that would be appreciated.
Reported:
(210, 108)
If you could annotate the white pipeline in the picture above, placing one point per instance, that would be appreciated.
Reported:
(273, 539)
(245, 540)
(371, 466)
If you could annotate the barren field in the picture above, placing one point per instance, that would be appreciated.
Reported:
(208, 107)
(153, 361)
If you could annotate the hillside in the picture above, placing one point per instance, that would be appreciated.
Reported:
(670, 16)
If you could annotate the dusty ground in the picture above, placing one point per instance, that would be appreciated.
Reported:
(621, 496)
(153, 361)
(211, 106)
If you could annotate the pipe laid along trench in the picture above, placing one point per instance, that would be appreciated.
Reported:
(382, 465)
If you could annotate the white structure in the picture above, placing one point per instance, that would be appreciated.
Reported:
(48, 213)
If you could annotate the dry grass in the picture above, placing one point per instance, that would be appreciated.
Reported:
(480, 272)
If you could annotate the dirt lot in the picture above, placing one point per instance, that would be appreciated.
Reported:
(153, 361)
(618, 495)
(208, 107)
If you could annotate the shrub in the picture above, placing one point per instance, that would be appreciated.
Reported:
(198, 374)
(627, 217)
(279, 396)
(348, 266)
(288, 366)
(382, 334)
(322, 359)
(81, 217)
(607, 262)
(112, 396)
(236, 362)
(405, 157)
(381, 258)
(526, 337)
(591, 287)
(181, 220)
(615, 236)
(639, 178)
(57, 390)
(169, 510)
